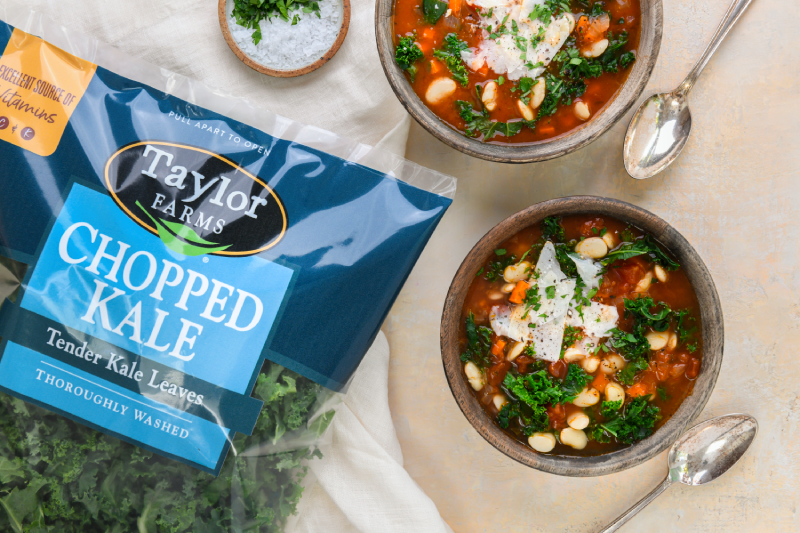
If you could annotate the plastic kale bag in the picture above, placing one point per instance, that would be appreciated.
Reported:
(186, 286)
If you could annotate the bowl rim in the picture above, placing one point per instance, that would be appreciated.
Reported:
(610, 114)
(276, 73)
(712, 332)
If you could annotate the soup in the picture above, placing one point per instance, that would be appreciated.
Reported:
(580, 336)
(504, 71)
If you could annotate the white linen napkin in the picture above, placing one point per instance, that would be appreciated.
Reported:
(361, 484)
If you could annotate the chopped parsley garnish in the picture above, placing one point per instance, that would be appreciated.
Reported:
(451, 55)
(248, 14)
(551, 226)
(550, 292)
(406, 54)
(571, 336)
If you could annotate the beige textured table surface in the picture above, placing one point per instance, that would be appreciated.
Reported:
(735, 195)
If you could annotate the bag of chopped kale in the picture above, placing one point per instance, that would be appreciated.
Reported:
(183, 294)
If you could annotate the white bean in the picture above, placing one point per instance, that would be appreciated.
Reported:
(574, 438)
(524, 110)
(611, 364)
(519, 272)
(644, 283)
(495, 295)
(542, 442)
(591, 364)
(499, 401)
(595, 49)
(573, 354)
(578, 420)
(610, 240)
(516, 351)
(673, 342)
(587, 398)
(661, 274)
(474, 375)
(537, 93)
(593, 247)
(439, 90)
(657, 339)
(581, 110)
(489, 95)
(508, 287)
(614, 392)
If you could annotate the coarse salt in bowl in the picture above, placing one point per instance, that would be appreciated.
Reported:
(291, 47)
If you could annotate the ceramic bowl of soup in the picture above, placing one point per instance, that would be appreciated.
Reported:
(518, 82)
(582, 335)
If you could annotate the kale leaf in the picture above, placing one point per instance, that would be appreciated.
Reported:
(481, 124)
(451, 55)
(406, 54)
(432, 10)
(634, 424)
(646, 245)
(479, 343)
(552, 229)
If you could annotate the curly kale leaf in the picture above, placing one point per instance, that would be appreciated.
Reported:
(635, 423)
(451, 55)
(406, 54)
(58, 475)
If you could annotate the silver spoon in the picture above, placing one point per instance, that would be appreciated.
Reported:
(702, 454)
(660, 128)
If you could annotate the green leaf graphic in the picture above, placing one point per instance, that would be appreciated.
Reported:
(182, 239)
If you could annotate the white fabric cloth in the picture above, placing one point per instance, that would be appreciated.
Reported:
(361, 484)
(348, 96)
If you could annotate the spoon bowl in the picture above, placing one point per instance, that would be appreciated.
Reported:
(657, 134)
(709, 449)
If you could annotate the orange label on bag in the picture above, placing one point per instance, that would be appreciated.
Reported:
(40, 86)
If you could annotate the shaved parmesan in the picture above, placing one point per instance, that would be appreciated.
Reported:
(598, 319)
(588, 270)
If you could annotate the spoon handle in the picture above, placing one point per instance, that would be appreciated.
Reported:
(731, 16)
(644, 502)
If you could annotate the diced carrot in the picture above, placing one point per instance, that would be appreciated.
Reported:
(599, 382)
(455, 6)
(518, 294)
(484, 70)
(498, 346)
(428, 34)
(436, 66)
(547, 130)
(640, 389)
(425, 46)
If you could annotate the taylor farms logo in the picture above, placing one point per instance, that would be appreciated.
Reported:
(196, 201)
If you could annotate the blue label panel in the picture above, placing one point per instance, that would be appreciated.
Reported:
(103, 405)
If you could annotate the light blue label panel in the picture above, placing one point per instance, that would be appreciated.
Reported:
(103, 404)
(208, 316)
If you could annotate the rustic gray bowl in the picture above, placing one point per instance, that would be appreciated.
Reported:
(649, 45)
(712, 331)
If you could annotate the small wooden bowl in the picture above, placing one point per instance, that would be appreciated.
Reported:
(647, 53)
(247, 60)
(711, 318)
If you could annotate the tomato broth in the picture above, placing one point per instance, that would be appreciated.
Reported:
(579, 81)
(607, 389)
